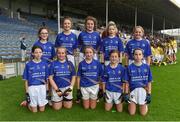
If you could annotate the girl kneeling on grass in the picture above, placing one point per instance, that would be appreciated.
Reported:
(138, 76)
(35, 76)
(88, 77)
(113, 82)
(62, 78)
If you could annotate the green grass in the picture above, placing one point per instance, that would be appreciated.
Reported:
(165, 102)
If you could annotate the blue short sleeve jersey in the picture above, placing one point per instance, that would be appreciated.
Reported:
(114, 78)
(133, 44)
(138, 76)
(62, 73)
(89, 74)
(109, 44)
(89, 39)
(48, 51)
(67, 41)
(36, 73)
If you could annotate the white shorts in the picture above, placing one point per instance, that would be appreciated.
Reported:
(113, 97)
(106, 63)
(132, 61)
(71, 59)
(56, 98)
(82, 57)
(37, 95)
(90, 92)
(138, 96)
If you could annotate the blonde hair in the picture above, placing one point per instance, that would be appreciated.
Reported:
(140, 27)
(111, 23)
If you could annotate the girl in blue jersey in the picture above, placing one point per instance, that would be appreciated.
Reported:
(88, 77)
(89, 37)
(111, 42)
(113, 82)
(67, 39)
(35, 76)
(138, 77)
(48, 47)
(137, 42)
(62, 79)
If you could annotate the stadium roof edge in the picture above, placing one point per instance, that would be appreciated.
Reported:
(123, 11)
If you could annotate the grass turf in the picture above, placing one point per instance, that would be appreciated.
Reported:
(165, 102)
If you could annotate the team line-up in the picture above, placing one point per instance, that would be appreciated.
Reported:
(51, 75)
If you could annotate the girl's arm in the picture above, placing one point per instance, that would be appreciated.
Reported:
(26, 86)
(148, 60)
(149, 88)
(52, 82)
(78, 82)
(126, 88)
(73, 80)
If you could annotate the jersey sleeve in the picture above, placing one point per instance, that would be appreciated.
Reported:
(120, 46)
(73, 72)
(51, 69)
(98, 42)
(25, 73)
(126, 75)
(80, 42)
(127, 49)
(57, 41)
(150, 75)
(105, 75)
(148, 52)
(76, 42)
(79, 70)
(123, 75)
(53, 51)
(47, 72)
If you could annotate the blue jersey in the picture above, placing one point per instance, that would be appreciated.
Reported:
(109, 44)
(62, 73)
(114, 78)
(138, 76)
(89, 74)
(133, 44)
(89, 39)
(48, 50)
(36, 73)
(67, 41)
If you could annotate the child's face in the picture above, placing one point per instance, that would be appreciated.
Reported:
(89, 53)
(138, 56)
(37, 53)
(138, 33)
(61, 54)
(114, 58)
(90, 25)
(44, 34)
(67, 25)
(112, 30)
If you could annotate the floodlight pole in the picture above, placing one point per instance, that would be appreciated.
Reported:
(172, 30)
(135, 19)
(152, 26)
(164, 24)
(107, 11)
(59, 15)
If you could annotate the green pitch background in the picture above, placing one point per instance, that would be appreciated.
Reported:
(165, 102)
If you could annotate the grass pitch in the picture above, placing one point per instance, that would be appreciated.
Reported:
(165, 103)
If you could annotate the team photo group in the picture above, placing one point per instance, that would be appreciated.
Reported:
(92, 66)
